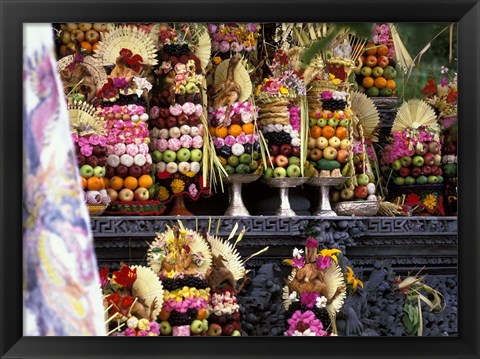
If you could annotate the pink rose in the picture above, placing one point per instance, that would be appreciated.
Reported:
(198, 142)
(132, 150)
(176, 109)
(230, 140)
(86, 150)
(242, 139)
(174, 144)
(188, 108)
(162, 144)
(186, 141)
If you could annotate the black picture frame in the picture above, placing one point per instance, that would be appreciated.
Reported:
(15, 13)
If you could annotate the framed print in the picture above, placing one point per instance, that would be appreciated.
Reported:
(265, 170)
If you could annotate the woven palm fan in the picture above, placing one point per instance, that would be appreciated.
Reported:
(203, 46)
(335, 281)
(148, 288)
(402, 56)
(231, 257)
(126, 37)
(197, 245)
(286, 291)
(98, 72)
(366, 111)
(413, 114)
(84, 119)
(241, 76)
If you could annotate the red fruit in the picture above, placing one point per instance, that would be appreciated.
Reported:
(361, 192)
(183, 59)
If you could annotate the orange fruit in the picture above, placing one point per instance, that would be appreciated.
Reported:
(370, 49)
(95, 46)
(223, 160)
(84, 182)
(116, 183)
(202, 314)
(368, 82)
(211, 129)
(130, 182)
(328, 132)
(341, 132)
(86, 46)
(248, 128)
(164, 315)
(235, 130)
(391, 84)
(145, 181)
(106, 182)
(315, 131)
(95, 183)
(382, 50)
(221, 131)
(380, 82)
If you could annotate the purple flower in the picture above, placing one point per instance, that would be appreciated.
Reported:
(94, 140)
(142, 333)
(192, 189)
(298, 262)
(311, 242)
(323, 262)
(120, 82)
(230, 140)
(236, 46)
(326, 95)
(309, 299)
(217, 37)
(86, 150)
(242, 139)
(224, 46)
(219, 142)
(251, 27)
(130, 332)
(444, 81)
(155, 328)
(212, 28)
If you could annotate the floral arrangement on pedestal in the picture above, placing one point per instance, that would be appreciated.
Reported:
(133, 298)
(233, 37)
(315, 291)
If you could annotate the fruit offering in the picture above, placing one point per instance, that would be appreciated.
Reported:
(234, 37)
(377, 74)
(85, 35)
(315, 291)
(328, 142)
(415, 153)
(128, 160)
(176, 129)
(235, 139)
(281, 99)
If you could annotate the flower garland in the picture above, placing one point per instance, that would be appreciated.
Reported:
(442, 96)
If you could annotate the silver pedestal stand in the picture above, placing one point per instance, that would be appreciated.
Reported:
(284, 184)
(236, 207)
(325, 209)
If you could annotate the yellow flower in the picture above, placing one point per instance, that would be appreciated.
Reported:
(163, 193)
(284, 90)
(143, 324)
(330, 253)
(217, 60)
(288, 261)
(177, 185)
(190, 174)
(430, 201)
(171, 274)
(352, 280)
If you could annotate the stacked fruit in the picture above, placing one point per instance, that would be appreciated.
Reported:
(422, 167)
(328, 143)
(236, 143)
(377, 74)
(86, 33)
(224, 316)
(185, 307)
(128, 161)
(280, 125)
(91, 157)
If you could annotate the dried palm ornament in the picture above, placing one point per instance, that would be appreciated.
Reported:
(84, 120)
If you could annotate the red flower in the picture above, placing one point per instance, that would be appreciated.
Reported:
(430, 89)
(103, 274)
(163, 175)
(126, 302)
(126, 53)
(125, 277)
(412, 199)
(452, 97)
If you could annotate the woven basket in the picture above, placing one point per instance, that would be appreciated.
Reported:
(357, 208)
(96, 210)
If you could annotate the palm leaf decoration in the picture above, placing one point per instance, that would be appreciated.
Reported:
(241, 77)
(413, 114)
(203, 45)
(404, 60)
(148, 288)
(367, 114)
(336, 290)
(84, 120)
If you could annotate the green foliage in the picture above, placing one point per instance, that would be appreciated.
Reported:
(411, 320)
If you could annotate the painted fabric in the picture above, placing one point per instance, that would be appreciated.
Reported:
(62, 294)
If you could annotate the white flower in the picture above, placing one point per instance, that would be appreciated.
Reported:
(444, 70)
(287, 128)
(334, 335)
(297, 253)
(293, 297)
(321, 302)
(295, 134)
(132, 322)
(306, 333)
(295, 142)
(278, 127)
(141, 83)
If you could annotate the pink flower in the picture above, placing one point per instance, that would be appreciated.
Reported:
(224, 46)
(236, 46)
(174, 144)
(130, 332)
(323, 262)
(198, 110)
(162, 144)
(197, 142)
(176, 109)
(218, 142)
(242, 139)
(311, 242)
(251, 27)
(217, 37)
(298, 262)
(155, 112)
(309, 299)
(215, 46)
(212, 28)
(230, 140)
(86, 150)
(186, 141)
(189, 108)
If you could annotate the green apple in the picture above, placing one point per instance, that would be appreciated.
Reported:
(333, 122)
(229, 169)
(432, 179)
(245, 158)
(157, 156)
(377, 71)
(293, 171)
(99, 171)
(196, 327)
(363, 179)
(312, 122)
(344, 122)
(279, 172)
(418, 161)
(255, 155)
(366, 71)
(196, 155)
(183, 154)
(242, 168)
(253, 165)
(399, 181)
(389, 73)
(373, 92)
(294, 160)
(440, 179)
(233, 160)
(386, 92)
(396, 165)
(165, 328)
(169, 156)
(268, 173)
(86, 171)
(409, 180)
(322, 122)
(422, 179)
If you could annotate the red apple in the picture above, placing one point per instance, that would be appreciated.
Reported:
(121, 171)
(296, 151)
(429, 159)
(113, 194)
(281, 161)
(274, 150)
(182, 119)
(92, 36)
(161, 123)
(236, 119)
(342, 156)
(135, 171)
(227, 330)
(171, 121)
(193, 120)
(316, 154)
(285, 149)
(416, 172)
(382, 61)
(427, 170)
(404, 172)
(109, 172)
(141, 194)
(361, 192)
(371, 61)
(164, 112)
